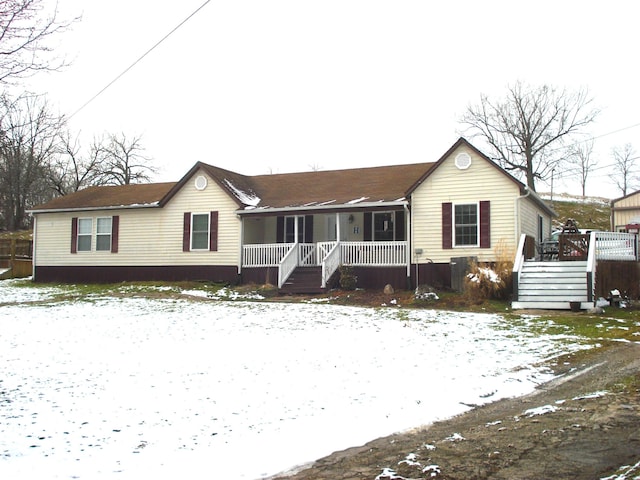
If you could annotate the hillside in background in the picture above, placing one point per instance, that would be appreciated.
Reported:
(593, 213)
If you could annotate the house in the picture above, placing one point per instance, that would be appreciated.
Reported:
(625, 213)
(399, 225)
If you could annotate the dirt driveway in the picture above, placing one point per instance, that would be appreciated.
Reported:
(585, 424)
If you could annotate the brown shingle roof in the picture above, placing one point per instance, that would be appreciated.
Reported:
(338, 187)
(145, 194)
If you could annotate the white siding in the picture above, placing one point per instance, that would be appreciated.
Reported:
(529, 212)
(147, 236)
(630, 212)
(480, 182)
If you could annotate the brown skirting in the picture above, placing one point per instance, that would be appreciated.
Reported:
(434, 274)
(112, 274)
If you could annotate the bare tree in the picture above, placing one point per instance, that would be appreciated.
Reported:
(29, 131)
(624, 168)
(582, 162)
(71, 169)
(122, 160)
(26, 29)
(528, 129)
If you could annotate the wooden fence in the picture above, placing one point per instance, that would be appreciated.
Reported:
(15, 258)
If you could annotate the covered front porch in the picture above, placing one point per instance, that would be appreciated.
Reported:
(320, 243)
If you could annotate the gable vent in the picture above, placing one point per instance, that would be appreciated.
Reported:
(463, 161)
(200, 182)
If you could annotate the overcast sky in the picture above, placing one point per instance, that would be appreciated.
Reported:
(273, 86)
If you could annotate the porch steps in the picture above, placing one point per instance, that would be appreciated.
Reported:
(304, 280)
(552, 285)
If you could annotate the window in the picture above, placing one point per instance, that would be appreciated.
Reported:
(466, 224)
(103, 234)
(383, 227)
(200, 231)
(305, 229)
(85, 230)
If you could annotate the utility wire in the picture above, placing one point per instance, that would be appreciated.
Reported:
(139, 59)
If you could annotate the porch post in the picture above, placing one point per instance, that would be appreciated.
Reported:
(337, 226)
(241, 246)
(295, 228)
(407, 236)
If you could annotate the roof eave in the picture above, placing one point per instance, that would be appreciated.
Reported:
(322, 208)
(93, 209)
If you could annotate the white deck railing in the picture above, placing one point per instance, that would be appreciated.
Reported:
(616, 246)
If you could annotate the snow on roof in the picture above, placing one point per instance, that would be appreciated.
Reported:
(250, 199)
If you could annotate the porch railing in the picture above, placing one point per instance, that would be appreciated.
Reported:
(374, 253)
(264, 255)
(329, 255)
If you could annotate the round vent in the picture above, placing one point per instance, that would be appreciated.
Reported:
(201, 182)
(463, 161)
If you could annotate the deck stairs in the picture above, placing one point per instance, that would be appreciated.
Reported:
(304, 280)
(553, 285)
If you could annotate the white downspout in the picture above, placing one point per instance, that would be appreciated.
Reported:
(516, 227)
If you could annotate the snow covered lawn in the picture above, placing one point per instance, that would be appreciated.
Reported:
(134, 388)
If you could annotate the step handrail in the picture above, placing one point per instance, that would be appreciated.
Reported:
(518, 262)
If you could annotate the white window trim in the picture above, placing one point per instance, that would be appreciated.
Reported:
(79, 235)
(110, 234)
(191, 247)
(453, 227)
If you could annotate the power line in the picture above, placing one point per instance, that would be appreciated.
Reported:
(140, 58)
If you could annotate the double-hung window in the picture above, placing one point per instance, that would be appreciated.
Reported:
(103, 234)
(200, 231)
(466, 224)
(85, 231)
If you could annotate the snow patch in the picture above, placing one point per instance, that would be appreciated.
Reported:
(248, 198)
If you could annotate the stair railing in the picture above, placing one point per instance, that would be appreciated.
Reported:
(518, 262)
(330, 263)
(287, 265)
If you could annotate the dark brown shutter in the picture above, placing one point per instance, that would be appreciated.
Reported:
(186, 232)
(399, 225)
(447, 225)
(308, 229)
(485, 224)
(213, 231)
(115, 227)
(366, 228)
(280, 229)
(74, 235)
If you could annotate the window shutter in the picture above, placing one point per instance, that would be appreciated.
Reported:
(280, 229)
(115, 226)
(186, 232)
(308, 229)
(368, 219)
(485, 224)
(399, 225)
(213, 231)
(447, 225)
(74, 235)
